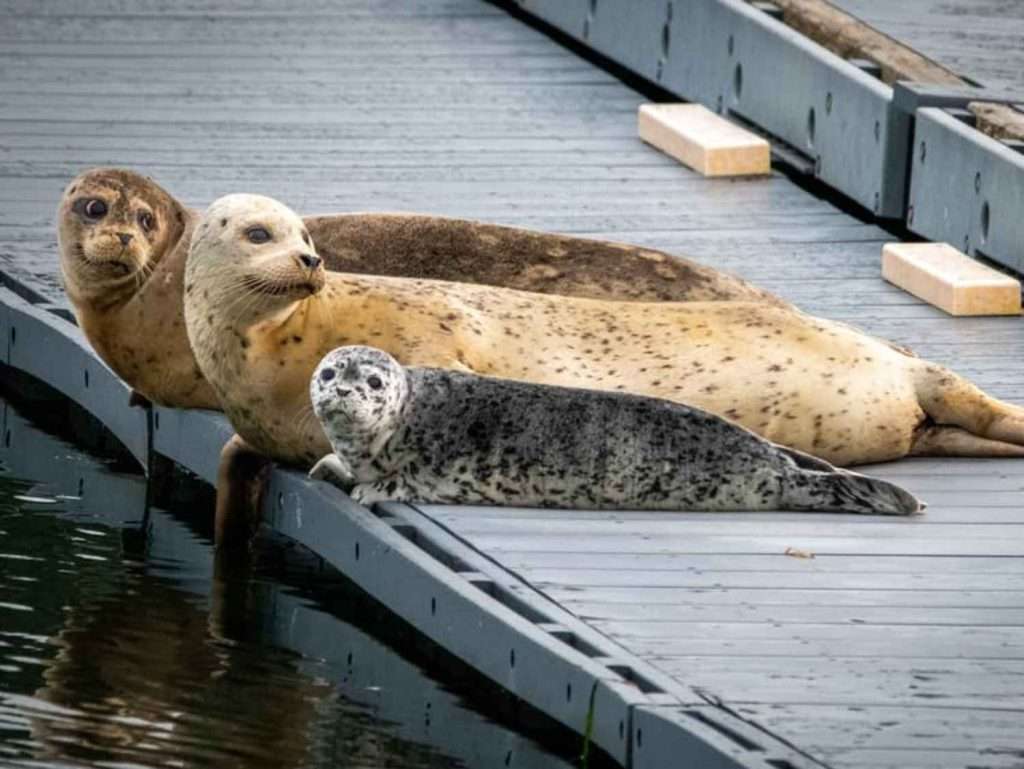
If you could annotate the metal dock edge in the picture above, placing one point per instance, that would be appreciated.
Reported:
(446, 590)
(832, 116)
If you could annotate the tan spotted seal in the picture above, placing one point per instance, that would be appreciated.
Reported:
(261, 313)
(438, 436)
(123, 241)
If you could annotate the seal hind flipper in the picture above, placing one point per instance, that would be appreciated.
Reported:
(949, 400)
(806, 461)
(843, 491)
(945, 441)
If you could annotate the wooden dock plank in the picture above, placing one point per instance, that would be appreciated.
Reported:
(979, 39)
(758, 599)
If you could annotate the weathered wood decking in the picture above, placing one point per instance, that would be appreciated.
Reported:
(978, 39)
(900, 644)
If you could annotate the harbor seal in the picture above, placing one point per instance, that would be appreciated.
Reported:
(123, 241)
(436, 436)
(260, 319)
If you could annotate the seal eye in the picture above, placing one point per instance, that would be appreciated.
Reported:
(95, 208)
(146, 220)
(257, 235)
(327, 375)
(374, 382)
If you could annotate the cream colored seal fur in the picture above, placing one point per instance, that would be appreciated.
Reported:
(431, 435)
(261, 313)
(123, 242)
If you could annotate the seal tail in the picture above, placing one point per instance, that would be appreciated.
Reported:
(951, 401)
(841, 491)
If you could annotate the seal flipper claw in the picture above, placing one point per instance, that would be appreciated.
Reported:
(334, 471)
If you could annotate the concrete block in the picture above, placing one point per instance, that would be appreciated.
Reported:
(949, 279)
(704, 141)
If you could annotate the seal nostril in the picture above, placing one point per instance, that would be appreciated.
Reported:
(310, 261)
(124, 237)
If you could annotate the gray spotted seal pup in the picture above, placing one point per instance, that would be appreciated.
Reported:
(434, 435)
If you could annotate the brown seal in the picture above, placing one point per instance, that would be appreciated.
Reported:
(261, 313)
(123, 241)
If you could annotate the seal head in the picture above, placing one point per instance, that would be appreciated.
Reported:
(113, 228)
(261, 253)
(359, 395)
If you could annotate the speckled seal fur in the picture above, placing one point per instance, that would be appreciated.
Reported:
(431, 435)
(260, 323)
(128, 297)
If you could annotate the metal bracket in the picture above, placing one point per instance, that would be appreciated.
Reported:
(966, 189)
(707, 737)
(909, 97)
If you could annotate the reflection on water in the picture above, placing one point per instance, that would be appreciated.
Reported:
(118, 649)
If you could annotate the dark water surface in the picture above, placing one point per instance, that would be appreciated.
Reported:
(120, 649)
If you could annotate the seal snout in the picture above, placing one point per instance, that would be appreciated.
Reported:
(312, 266)
(351, 372)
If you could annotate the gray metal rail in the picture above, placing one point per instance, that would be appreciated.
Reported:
(966, 188)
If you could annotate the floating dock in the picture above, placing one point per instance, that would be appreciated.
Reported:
(761, 640)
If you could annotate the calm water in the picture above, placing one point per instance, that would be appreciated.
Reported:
(119, 646)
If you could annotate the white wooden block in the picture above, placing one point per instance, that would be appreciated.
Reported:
(949, 279)
(702, 140)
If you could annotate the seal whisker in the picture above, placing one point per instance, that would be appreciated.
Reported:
(305, 417)
(241, 306)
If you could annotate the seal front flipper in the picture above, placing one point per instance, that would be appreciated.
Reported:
(241, 479)
(335, 471)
